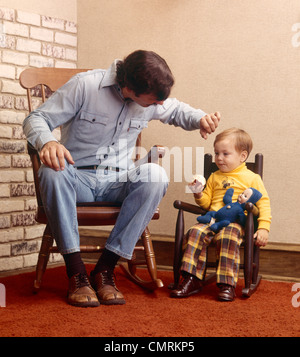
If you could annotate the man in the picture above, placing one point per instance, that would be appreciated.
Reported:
(101, 113)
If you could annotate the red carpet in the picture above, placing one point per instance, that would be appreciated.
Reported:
(269, 312)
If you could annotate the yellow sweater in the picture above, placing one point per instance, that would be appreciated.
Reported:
(238, 179)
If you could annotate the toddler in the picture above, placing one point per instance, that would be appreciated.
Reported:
(232, 148)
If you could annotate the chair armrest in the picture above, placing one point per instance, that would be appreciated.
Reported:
(156, 152)
(250, 207)
(31, 149)
(36, 163)
(187, 207)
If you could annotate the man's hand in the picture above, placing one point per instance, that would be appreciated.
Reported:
(209, 123)
(54, 154)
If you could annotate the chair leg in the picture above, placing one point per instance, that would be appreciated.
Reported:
(178, 253)
(130, 269)
(248, 255)
(250, 290)
(47, 242)
(255, 264)
(149, 254)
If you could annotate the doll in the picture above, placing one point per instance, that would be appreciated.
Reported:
(231, 212)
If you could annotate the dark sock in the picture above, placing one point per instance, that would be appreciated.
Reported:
(107, 261)
(74, 264)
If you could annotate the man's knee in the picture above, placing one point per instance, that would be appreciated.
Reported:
(48, 176)
(152, 177)
(155, 175)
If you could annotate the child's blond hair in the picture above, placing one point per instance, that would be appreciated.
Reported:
(242, 139)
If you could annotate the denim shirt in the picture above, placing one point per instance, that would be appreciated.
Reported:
(99, 126)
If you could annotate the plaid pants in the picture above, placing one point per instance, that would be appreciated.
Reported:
(228, 241)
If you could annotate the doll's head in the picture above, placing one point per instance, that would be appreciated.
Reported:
(249, 195)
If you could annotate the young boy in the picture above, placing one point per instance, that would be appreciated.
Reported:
(232, 148)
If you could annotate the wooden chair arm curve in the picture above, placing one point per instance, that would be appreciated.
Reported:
(187, 207)
(250, 207)
(156, 152)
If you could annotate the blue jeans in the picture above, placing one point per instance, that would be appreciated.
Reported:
(140, 189)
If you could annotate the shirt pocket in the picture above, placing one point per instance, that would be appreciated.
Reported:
(91, 126)
(138, 124)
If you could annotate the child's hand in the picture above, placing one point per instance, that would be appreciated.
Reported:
(198, 195)
(262, 237)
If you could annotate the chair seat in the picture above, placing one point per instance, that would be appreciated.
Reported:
(93, 213)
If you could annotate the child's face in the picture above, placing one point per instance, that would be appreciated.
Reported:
(227, 158)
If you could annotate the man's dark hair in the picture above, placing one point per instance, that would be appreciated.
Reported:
(145, 72)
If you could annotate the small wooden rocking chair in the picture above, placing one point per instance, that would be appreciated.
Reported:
(251, 251)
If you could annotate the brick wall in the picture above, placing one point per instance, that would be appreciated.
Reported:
(26, 40)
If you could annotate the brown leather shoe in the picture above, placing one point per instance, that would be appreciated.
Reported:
(81, 293)
(227, 292)
(189, 286)
(106, 289)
